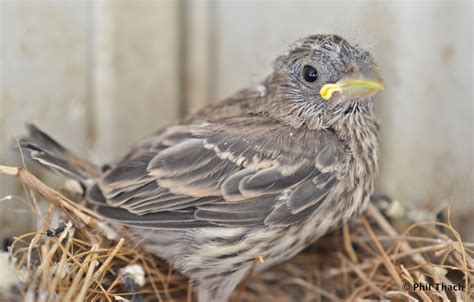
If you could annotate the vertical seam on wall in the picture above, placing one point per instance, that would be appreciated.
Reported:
(3, 113)
(213, 61)
(182, 44)
(90, 131)
(2, 86)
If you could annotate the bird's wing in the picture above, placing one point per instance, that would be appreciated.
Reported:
(230, 172)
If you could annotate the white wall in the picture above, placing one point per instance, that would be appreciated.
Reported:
(99, 75)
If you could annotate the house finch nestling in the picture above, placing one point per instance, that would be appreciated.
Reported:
(264, 173)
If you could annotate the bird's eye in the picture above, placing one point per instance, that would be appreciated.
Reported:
(310, 74)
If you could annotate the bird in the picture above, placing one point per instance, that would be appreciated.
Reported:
(260, 175)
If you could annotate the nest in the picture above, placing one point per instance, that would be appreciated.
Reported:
(374, 257)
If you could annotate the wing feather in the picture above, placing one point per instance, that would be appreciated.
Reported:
(209, 174)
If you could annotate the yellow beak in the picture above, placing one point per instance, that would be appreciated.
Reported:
(365, 83)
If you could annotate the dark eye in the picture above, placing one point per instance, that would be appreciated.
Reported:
(310, 74)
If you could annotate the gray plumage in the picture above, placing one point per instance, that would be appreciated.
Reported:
(264, 173)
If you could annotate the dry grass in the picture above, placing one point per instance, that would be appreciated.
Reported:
(371, 258)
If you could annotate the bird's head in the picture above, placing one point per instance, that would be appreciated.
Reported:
(322, 77)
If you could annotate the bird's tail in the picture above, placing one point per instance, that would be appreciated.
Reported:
(47, 152)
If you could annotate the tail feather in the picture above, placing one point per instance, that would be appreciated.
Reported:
(46, 151)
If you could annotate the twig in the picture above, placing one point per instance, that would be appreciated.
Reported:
(103, 267)
(347, 243)
(51, 195)
(386, 260)
(90, 273)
